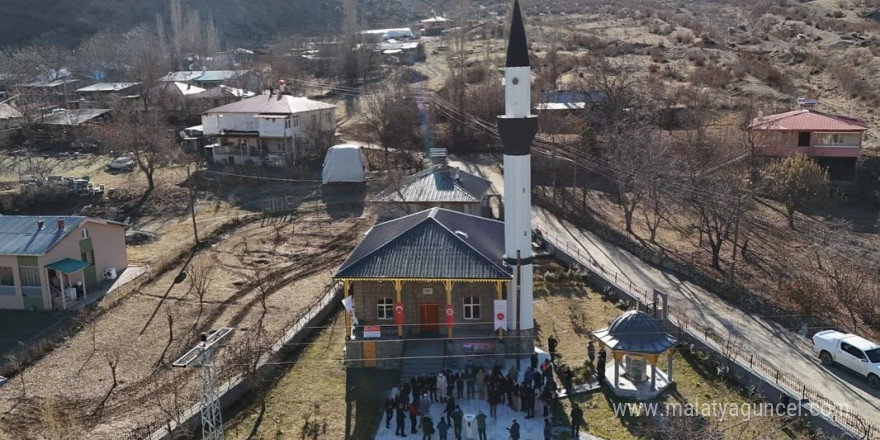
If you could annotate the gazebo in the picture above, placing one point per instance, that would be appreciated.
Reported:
(636, 340)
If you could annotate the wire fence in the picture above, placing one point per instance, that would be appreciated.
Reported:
(728, 346)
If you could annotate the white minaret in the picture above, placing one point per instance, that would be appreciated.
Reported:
(517, 128)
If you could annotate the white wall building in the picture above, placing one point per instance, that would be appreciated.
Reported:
(275, 130)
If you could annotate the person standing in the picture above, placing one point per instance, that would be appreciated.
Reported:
(537, 380)
(547, 369)
(515, 404)
(459, 384)
(533, 361)
(568, 380)
(494, 398)
(548, 429)
(389, 411)
(425, 405)
(442, 428)
(591, 351)
(432, 386)
(469, 380)
(481, 383)
(427, 428)
(401, 420)
(457, 417)
(441, 386)
(514, 430)
(413, 416)
(551, 344)
(450, 407)
(600, 366)
(577, 419)
(481, 425)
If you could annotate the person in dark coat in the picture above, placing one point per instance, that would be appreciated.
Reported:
(442, 428)
(591, 351)
(577, 419)
(470, 375)
(537, 380)
(450, 407)
(413, 416)
(415, 384)
(600, 366)
(401, 420)
(533, 361)
(547, 369)
(457, 417)
(481, 425)
(427, 428)
(389, 411)
(459, 384)
(547, 429)
(568, 380)
(551, 344)
(514, 430)
(494, 399)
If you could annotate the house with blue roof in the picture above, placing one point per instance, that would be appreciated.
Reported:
(51, 263)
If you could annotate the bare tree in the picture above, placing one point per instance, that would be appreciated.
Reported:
(720, 199)
(390, 114)
(146, 137)
(200, 273)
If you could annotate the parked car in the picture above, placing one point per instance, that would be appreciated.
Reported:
(853, 352)
(123, 163)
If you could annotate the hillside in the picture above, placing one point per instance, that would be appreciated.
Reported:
(241, 22)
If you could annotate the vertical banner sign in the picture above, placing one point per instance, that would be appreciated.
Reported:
(398, 313)
(449, 311)
(348, 303)
(500, 314)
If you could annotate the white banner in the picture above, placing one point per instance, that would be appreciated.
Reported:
(348, 303)
(500, 313)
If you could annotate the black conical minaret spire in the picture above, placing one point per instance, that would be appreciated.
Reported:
(517, 47)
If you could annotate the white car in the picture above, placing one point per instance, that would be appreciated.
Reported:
(853, 352)
(123, 163)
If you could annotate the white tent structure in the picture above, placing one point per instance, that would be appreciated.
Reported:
(343, 164)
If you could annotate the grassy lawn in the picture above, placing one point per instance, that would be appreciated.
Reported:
(571, 310)
(19, 325)
(310, 388)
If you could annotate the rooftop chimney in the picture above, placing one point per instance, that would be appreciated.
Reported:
(60, 224)
(39, 224)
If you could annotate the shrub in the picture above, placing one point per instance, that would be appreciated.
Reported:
(682, 36)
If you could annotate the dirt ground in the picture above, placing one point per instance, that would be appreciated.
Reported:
(283, 263)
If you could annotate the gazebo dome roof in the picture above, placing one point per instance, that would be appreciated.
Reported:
(636, 331)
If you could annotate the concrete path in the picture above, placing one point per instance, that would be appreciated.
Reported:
(785, 349)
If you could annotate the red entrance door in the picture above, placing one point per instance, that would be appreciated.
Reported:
(429, 318)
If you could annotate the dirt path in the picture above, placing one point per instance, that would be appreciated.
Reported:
(787, 350)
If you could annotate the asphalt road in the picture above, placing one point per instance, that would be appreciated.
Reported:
(781, 346)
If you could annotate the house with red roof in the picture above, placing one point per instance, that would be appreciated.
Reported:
(834, 141)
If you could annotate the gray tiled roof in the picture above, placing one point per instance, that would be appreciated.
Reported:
(435, 243)
(19, 234)
(272, 104)
(437, 185)
(636, 331)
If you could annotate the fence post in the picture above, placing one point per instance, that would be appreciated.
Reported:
(804, 393)
(777, 376)
(751, 357)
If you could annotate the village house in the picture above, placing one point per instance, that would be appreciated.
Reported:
(441, 186)
(433, 274)
(270, 129)
(59, 92)
(435, 25)
(105, 95)
(834, 141)
(208, 79)
(51, 263)
(9, 117)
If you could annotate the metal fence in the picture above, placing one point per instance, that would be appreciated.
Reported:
(727, 346)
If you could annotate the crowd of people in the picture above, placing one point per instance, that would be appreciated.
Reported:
(533, 390)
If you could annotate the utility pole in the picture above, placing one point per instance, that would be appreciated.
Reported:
(202, 355)
(192, 204)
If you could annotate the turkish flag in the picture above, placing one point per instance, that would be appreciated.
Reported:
(450, 315)
(398, 313)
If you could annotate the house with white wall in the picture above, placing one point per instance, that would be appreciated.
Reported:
(269, 129)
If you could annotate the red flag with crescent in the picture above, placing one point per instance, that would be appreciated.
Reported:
(398, 313)
(449, 311)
